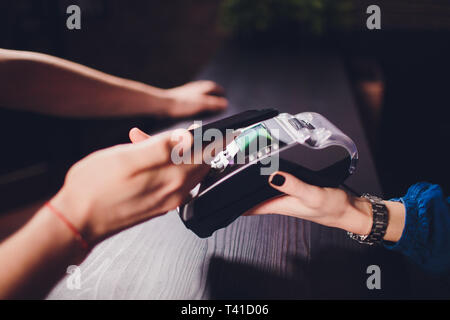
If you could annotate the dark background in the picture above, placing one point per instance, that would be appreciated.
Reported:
(399, 74)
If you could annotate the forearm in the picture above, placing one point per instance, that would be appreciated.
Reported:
(43, 83)
(36, 257)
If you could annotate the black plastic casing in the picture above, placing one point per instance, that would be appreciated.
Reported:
(241, 190)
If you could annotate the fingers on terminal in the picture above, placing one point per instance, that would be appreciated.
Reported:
(291, 185)
(216, 103)
(136, 135)
(159, 150)
(212, 87)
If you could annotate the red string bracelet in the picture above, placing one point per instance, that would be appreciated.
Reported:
(74, 230)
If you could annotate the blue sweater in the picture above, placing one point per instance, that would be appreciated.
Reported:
(426, 236)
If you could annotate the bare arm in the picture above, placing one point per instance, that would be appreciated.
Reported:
(42, 83)
(36, 257)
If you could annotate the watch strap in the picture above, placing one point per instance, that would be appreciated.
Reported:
(380, 218)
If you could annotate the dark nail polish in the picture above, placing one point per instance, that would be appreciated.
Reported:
(278, 180)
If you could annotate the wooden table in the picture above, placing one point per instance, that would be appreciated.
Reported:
(255, 257)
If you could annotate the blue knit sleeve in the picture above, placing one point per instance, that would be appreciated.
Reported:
(426, 236)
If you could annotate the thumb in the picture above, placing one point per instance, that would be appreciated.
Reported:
(158, 150)
(136, 135)
(194, 126)
(311, 196)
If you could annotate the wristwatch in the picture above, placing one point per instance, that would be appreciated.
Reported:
(380, 216)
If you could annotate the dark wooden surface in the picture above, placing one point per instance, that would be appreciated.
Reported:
(255, 257)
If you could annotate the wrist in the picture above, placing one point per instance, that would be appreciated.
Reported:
(60, 233)
(140, 98)
(357, 217)
(396, 222)
(75, 211)
(160, 101)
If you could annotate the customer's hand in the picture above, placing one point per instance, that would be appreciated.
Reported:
(121, 186)
(194, 97)
(328, 206)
